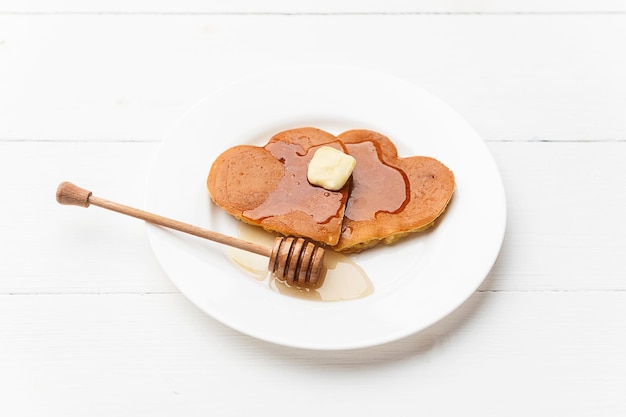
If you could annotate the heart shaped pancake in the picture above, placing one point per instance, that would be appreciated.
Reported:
(387, 198)
(390, 196)
(268, 187)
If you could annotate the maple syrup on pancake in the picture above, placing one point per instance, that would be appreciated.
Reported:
(344, 279)
(319, 203)
(371, 175)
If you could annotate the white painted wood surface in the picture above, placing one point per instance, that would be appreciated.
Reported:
(128, 77)
(90, 325)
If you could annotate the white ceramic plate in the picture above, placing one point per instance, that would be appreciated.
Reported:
(417, 281)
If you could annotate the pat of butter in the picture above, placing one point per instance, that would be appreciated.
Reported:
(330, 168)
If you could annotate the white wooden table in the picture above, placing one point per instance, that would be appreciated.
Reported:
(91, 326)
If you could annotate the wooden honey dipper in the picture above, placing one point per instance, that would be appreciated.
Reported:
(295, 260)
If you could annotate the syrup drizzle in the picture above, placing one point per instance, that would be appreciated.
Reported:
(370, 176)
(321, 204)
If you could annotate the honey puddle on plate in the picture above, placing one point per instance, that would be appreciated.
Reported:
(344, 280)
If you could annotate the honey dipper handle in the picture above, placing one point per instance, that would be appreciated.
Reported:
(70, 194)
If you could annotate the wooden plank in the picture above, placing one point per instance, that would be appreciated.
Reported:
(320, 6)
(74, 249)
(561, 80)
(514, 354)
(565, 214)
(566, 226)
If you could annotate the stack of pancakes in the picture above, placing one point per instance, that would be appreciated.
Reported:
(386, 198)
